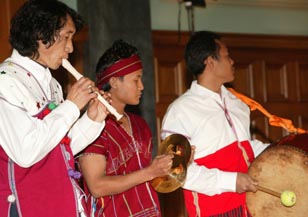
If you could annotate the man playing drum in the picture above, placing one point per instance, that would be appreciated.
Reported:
(217, 123)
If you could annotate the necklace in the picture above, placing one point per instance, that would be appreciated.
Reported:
(130, 132)
(228, 117)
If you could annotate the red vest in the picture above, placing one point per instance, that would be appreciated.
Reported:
(42, 190)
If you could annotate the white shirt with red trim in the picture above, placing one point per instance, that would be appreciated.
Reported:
(200, 115)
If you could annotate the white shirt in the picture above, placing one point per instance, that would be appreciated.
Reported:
(199, 115)
(27, 139)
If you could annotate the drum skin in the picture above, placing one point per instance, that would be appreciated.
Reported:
(282, 166)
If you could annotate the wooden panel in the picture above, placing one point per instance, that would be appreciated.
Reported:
(7, 10)
(170, 78)
(276, 82)
(303, 82)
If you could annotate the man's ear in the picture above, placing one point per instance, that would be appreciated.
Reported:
(113, 82)
(209, 62)
(42, 45)
(206, 62)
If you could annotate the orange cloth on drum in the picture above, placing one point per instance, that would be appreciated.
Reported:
(273, 119)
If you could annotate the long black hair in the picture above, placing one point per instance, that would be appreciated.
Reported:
(39, 20)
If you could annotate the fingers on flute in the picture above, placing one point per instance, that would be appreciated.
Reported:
(87, 85)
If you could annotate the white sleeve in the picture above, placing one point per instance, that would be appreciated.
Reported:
(214, 181)
(83, 132)
(258, 146)
(27, 139)
(209, 181)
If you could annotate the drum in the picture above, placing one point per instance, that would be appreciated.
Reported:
(282, 166)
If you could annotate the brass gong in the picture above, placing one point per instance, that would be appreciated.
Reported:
(179, 146)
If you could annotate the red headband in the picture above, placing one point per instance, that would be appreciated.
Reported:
(118, 69)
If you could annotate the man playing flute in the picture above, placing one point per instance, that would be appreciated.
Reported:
(40, 131)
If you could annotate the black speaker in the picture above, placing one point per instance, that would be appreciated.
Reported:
(200, 3)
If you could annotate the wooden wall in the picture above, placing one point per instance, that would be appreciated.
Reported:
(7, 10)
(273, 70)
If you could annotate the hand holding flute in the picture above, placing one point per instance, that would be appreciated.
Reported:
(88, 85)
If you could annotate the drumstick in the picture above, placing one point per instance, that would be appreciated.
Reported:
(67, 65)
(269, 191)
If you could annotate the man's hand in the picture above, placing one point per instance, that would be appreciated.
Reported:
(245, 183)
(160, 166)
(97, 111)
(82, 92)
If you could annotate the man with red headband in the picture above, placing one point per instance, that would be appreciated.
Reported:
(117, 166)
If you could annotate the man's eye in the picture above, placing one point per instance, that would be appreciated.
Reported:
(63, 37)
